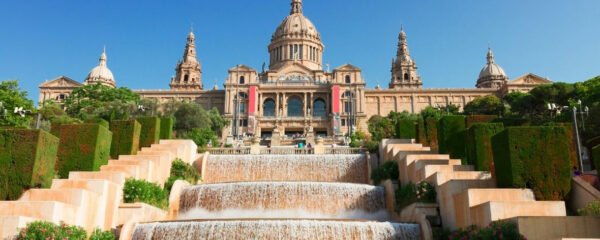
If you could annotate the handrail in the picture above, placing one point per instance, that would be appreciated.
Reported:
(229, 151)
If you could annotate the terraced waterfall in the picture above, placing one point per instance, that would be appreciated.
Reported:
(282, 197)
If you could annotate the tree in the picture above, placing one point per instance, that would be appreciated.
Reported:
(429, 111)
(201, 136)
(99, 101)
(217, 122)
(380, 128)
(487, 105)
(189, 116)
(11, 97)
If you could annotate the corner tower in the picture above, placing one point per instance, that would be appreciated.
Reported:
(188, 75)
(404, 69)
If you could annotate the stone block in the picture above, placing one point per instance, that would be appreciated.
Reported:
(483, 214)
(558, 227)
(27, 158)
(145, 167)
(9, 225)
(191, 149)
(409, 159)
(131, 171)
(429, 170)
(83, 147)
(140, 211)
(445, 196)
(52, 211)
(115, 177)
(410, 212)
(160, 170)
(418, 164)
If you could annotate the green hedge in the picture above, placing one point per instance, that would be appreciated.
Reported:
(479, 145)
(83, 147)
(150, 131)
(472, 119)
(513, 122)
(406, 129)
(181, 170)
(431, 133)
(100, 121)
(451, 136)
(27, 159)
(596, 157)
(55, 129)
(126, 137)
(572, 144)
(387, 170)
(166, 128)
(421, 133)
(533, 157)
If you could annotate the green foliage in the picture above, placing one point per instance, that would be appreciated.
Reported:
(217, 122)
(181, 170)
(98, 234)
(451, 136)
(380, 128)
(430, 112)
(535, 158)
(150, 133)
(590, 209)
(421, 133)
(99, 101)
(146, 192)
(498, 230)
(486, 105)
(126, 137)
(431, 133)
(27, 158)
(472, 119)
(83, 147)
(512, 121)
(54, 113)
(479, 145)
(406, 129)
(190, 115)
(11, 96)
(371, 146)
(99, 121)
(411, 193)
(387, 170)
(166, 128)
(40, 230)
(201, 136)
(596, 156)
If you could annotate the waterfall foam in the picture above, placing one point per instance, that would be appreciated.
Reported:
(276, 229)
(201, 213)
(315, 168)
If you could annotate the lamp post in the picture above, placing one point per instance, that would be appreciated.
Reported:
(553, 108)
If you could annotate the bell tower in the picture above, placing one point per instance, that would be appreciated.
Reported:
(404, 69)
(188, 75)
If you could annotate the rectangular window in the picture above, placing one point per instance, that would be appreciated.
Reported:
(295, 50)
(301, 53)
(343, 122)
(347, 107)
(242, 107)
(291, 52)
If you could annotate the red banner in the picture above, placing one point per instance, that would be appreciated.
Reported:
(335, 99)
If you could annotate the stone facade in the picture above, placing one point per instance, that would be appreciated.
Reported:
(298, 94)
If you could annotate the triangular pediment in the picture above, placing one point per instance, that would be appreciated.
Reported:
(242, 68)
(347, 67)
(294, 69)
(530, 78)
(61, 81)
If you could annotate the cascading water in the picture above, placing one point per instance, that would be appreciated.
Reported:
(314, 168)
(282, 197)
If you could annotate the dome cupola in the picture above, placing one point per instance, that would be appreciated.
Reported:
(101, 73)
(492, 75)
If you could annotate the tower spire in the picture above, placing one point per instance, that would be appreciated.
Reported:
(490, 55)
(404, 68)
(296, 7)
(102, 61)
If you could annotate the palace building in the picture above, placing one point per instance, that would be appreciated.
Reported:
(297, 93)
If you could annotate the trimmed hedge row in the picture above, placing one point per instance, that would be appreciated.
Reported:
(55, 129)
(150, 131)
(99, 121)
(472, 119)
(83, 147)
(431, 133)
(421, 134)
(126, 137)
(596, 157)
(479, 145)
(535, 158)
(406, 129)
(572, 144)
(166, 128)
(27, 158)
(512, 122)
(451, 136)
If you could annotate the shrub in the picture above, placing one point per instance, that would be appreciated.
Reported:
(98, 234)
(590, 209)
(479, 145)
(411, 193)
(380, 128)
(27, 158)
(431, 133)
(181, 170)
(503, 229)
(387, 170)
(48, 230)
(150, 133)
(371, 146)
(451, 136)
(82, 147)
(146, 192)
(533, 157)
(472, 119)
(406, 129)
(126, 137)
(201, 136)
(166, 128)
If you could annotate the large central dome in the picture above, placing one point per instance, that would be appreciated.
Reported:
(296, 40)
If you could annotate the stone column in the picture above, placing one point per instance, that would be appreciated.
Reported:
(277, 104)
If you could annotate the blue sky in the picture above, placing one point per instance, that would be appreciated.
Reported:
(448, 38)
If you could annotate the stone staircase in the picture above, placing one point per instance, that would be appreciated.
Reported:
(465, 197)
(94, 199)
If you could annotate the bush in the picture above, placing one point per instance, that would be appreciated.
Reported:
(590, 209)
(406, 129)
(82, 147)
(371, 146)
(99, 121)
(47, 230)
(150, 133)
(98, 234)
(166, 128)
(503, 229)
(387, 170)
(380, 128)
(126, 137)
(146, 192)
(451, 136)
(431, 133)
(533, 157)
(27, 158)
(472, 119)
(201, 136)
(411, 193)
(180, 170)
(479, 145)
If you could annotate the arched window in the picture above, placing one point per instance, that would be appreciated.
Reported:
(406, 76)
(185, 78)
(242, 80)
(269, 108)
(294, 107)
(243, 95)
(347, 78)
(347, 94)
(319, 108)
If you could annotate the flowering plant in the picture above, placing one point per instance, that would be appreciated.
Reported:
(411, 193)
(496, 230)
(47, 230)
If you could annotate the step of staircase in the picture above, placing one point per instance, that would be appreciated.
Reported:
(145, 167)
(485, 213)
(447, 190)
(428, 170)
(115, 177)
(418, 164)
(161, 166)
(52, 211)
(9, 225)
(130, 171)
(410, 158)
